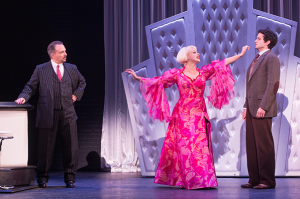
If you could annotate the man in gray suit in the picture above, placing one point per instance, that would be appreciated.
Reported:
(262, 80)
(60, 85)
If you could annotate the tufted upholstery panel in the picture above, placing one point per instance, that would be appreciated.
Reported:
(220, 31)
(148, 142)
(292, 166)
(167, 40)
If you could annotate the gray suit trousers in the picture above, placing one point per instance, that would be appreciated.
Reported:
(260, 150)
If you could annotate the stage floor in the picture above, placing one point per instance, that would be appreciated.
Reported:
(133, 185)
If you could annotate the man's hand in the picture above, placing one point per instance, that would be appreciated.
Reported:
(20, 101)
(244, 114)
(74, 98)
(260, 113)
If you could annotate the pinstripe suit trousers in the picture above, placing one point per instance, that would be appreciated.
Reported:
(65, 124)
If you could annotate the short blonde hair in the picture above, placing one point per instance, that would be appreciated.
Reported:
(183, 53)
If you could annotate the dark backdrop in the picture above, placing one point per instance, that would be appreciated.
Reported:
(26, 29)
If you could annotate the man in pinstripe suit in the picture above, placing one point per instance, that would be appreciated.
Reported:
(60, 85)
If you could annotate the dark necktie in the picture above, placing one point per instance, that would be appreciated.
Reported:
(252, 65)
(58, 73)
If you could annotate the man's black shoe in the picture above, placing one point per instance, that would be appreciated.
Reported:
(42, 184)
(70, 184)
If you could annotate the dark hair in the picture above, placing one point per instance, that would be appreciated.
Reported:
(51, 47)
(269, 35)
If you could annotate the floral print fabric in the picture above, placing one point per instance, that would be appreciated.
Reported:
(187, 158)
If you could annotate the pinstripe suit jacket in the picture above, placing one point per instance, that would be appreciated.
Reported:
(262, 86)
(43, 76)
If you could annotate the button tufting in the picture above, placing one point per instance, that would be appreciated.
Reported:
(214, 7)
(169, 44)
(283, 42)
(243, 17)
(278, 31)
(180, 42)
(236, 5)
(220, 38)
(173, 32)
(203, 7)
(225, 6)
(225, 28)
(214, 28)
(203, 28)
(208, 18)
(230, 16)
(237, 28)
(231, 38)
(158, 45)
(220, 17)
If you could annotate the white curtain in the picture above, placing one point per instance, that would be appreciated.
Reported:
(125, 46)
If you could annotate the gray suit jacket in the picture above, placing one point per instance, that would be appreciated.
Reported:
(43, 76)
(263, 85)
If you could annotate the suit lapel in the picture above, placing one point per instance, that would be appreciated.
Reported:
(260, 59)
(47, 75)
(66, 68)
(69, 71)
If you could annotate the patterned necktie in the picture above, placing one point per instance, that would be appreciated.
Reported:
(253, 64)
(58, 73)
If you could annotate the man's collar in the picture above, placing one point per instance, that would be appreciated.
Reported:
(55, 64)
(262, 52)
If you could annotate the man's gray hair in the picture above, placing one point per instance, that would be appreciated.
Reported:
(51, 47)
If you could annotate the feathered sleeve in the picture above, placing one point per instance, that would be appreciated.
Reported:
(153, 92)
(221, 90)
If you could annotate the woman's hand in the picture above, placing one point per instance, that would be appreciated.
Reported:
(131, 72)
(244, 49)
(229, 60)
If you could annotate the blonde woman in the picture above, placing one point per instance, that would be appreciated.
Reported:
(187, 158)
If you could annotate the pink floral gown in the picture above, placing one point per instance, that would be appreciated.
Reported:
(187, 158)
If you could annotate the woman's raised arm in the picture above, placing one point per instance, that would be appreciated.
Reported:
(229, 60)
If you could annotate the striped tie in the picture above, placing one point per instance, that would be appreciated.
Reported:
(252, 65)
